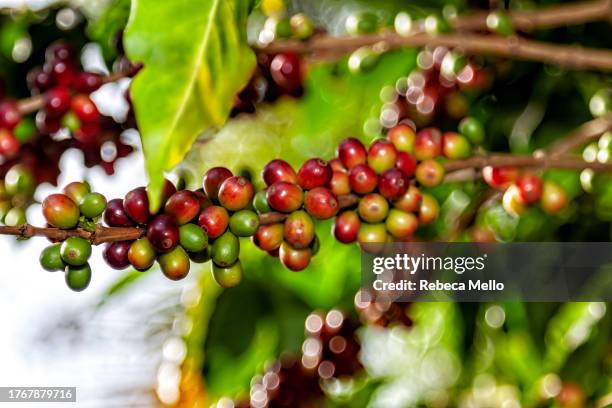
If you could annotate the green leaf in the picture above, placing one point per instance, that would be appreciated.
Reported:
(195, 60)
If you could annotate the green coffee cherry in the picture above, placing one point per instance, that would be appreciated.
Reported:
(601, 102)
(19, 180)
(15, 216)
(25, 130)
(51, 259)
(193, 238)
(175, 264)
(260, 202)
(363, 59)
(92, 205)
(301, 26)
(315, 245)
(71, 122)
(499, 22)
(75, 251)
(5, 207)
(244, 223)
(473, 129)
(141, 254)
(361, 23)
(435, 24)
(77, 190)
(225, 249)
(227, 277)
(78, 277)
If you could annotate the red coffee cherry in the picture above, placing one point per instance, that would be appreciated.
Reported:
(236, 193)
(500, 177)
(62, 72)
(168, 190)
(213, 179)
(39, 80)
(285, 71)
(87, 82)
(60, 211)
(299, 229)
(294, 259)
(402, 136)
(393, 183)
(9, 145)
(406, 163)
(373, 208)
(337, 165)
(214, 220)
(430, 173)
(136, 204)
(115, 215)
(428, 144)
(314, 173)
(183, 206)
(60, 51)
(351, 152)
(362, 179)
(285, 197)
(401, 224)
(116, 254)
(163, 233)
(339, 184)
(346, 227)
(9, 114)
(382, 155)
(269, 237)
(84, 108)
(278, 170)
(57, 101)
(410, 201)
(321, 203)
(530, 188)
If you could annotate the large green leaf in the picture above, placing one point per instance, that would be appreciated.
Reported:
(195, 60)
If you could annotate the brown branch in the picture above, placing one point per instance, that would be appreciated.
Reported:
(99, 236)
(568, 56)
(581, 135)
(518, 160)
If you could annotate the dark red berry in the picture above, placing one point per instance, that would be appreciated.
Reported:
(163, 233)
(362, 179)
(87, 82)
(168, 190)
(214, 220)
(47, 124)
(213, 179)
(136, 204)
(428, 144)
(269, 237)
(278, 170)
(60, 51)
(202, 199)
(236, 193)
(88, 132)
(115, 215)
(393, 183)
(39, 80)
(530, 188)
(62, 72)
(406, 163)
(339, 184)
(500, 177)
(351, 152)
(321, 203)
(382, 155)
(285, 71)
(116, 254)
(285, 197)
(346, 227)
(9, 114)
(57, 101)
(314, 173)
(183, 206)
(84, 108)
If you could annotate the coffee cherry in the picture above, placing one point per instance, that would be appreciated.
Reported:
(225, 249)
(136, 204)
(84, 108)
(116, 254)
(571, 396)
(321, 203)
(60, 51)
(78, 277)
(382, 155)
(141, 254)
(235, 193)
(530, 188)
(553, 198)
(285, 71)
(38, 80)
(401, 224)
(346, 227)
(278, 170)
(244, 223)
(315, 246)
(62, 72)
(393, 183)
(15, 217)
(339, 183)
(87, 82)
(361, 23)
(511, 201)
(92, 205)
(57, 101)
(260, 202)
(175, 264)
(362, 179)
(227, 277)
(192, 238)
(214, 220)
(428, 144)
(169, 190)
(9, 145)
(115, 215)
(337, 165)
(19, 180)
(183, 206)
(410, 201)
(9, 114)
(430, 173)
(163, 233)
(51, 259)
(500, 177)
(473, 129)
(301, 26)
(213, 179)
(428, 210)
(77, 191)
(285, 197)
(351, 152)
(60, 211)
(406, 163)
(372, 233)
(314, 173)
(455, 146)
(294, 259)
(402, 136)
(373, 208)
(269, 237)
(75, 251)
(299, 229)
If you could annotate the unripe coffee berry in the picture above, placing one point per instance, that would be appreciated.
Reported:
(321, 203)
(401, 224)
(116, 254)
(351, 152)
(372, 233)
(294, 259)
(244, 223)
(175, 264)
(339, 184)
(225, 250)
(51, 259)
(115, 215)
(183, 206)
(93, 205)
(346, 227)
(314, 173)
(428, 210)
(260, 202)
(136, 205)
(227, 277)
(362, 179)
(214, 220)
(455, 146)
(530, 188)
(141, 254)
(511, 201)
(285, 197)
(77, 191)
(382, 155)
(78, 277)
(235, 193)
(213, 179)
(473, 129)
(402, 136)
(192, 238)
(163, 233)
(269, 237)
(373, 208)
(299, 229)
(406, 163)
(60, 211)
(430, 173)
(75, 251)
(278, 170)
(554, 198)
(428, 144)
(410, 201)
(393, 183)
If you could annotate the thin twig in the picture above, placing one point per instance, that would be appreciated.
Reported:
(520, 160)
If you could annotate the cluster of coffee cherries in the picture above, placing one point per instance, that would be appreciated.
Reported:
(76, 206)
(522, 189)
(16, 192)
(329, 352)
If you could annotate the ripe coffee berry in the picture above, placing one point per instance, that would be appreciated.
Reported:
(430, 173)
(401, 224)
(410, 201)
(278, 170)
(175, 264)
(141, 254)
(393, 183)
(235, 193)
(60, 51)
(406, 163)
(285, 71)
(321, 203)
(554, 198)
(269, 237)
(373, 208)
(314, 173)
(225, 249)
(84, 108)
(285, 197)
(339, 183)
(337, 165)
(500, 177)
(227, 277)
(346, 227)
(115, 215)
(75, 251)
(57, 101)
(60, 211)
(351, 152)
(299, 229)
(214, 220)
(294, 259)
(116, 254)
(372, 233)
(213, 179)
(382, 155)
(136, 204)
(77, 191)
(9, 145)
(87, 82)
(428, 210)
(62, 72)
(530, 188)
(362, 179)
(428, 144)
(9, 114)
(163, 233)
(78, 277)
(244, 223)
(402, 136)
(183, 206)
